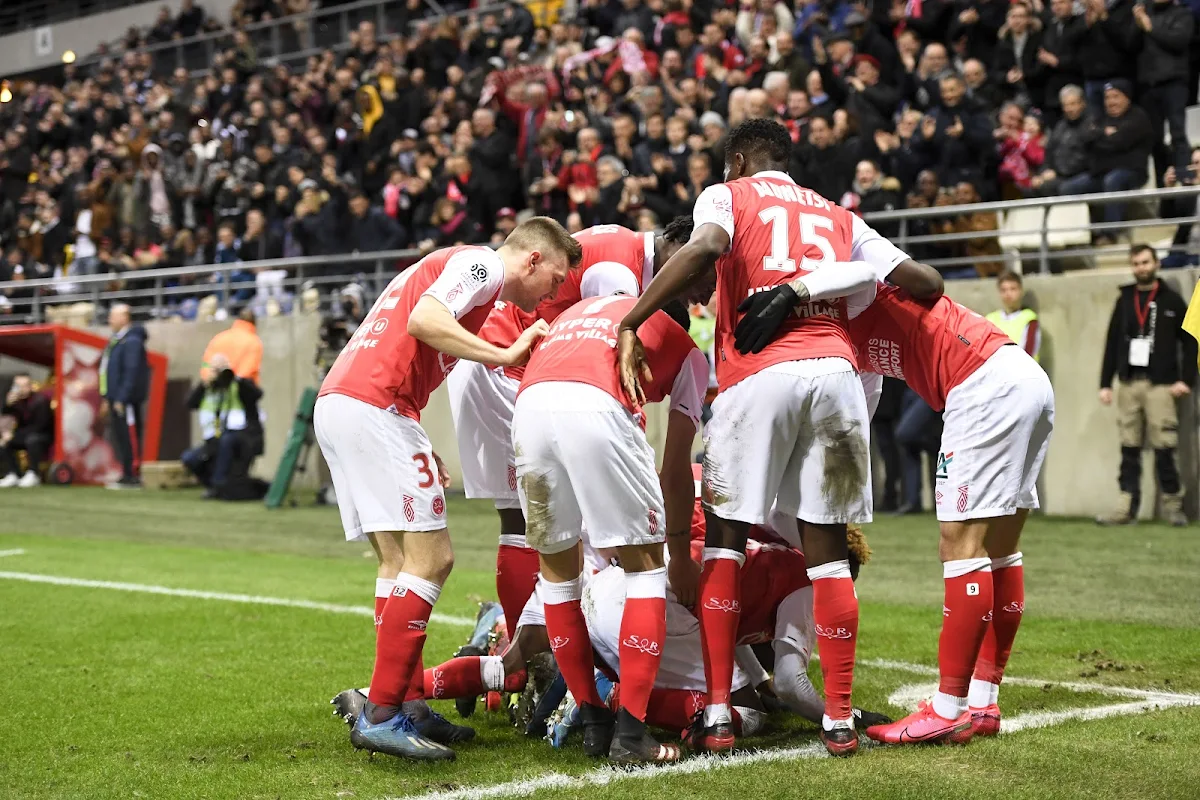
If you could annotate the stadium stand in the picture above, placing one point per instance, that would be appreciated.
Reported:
(292, 131)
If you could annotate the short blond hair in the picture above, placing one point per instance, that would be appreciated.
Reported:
(543, 233)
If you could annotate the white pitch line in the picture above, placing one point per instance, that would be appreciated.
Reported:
(16, 552)
(251, 599)
(607, 775)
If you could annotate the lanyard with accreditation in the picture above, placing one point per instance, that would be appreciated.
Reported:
(1141, 345)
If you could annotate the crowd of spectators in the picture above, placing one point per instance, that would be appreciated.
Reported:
(442, 129)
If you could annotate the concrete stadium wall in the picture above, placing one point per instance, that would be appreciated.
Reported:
(19, 52)
(1080, 477)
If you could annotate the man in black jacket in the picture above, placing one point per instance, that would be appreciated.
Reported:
(956, 137)
(1120, 146)
(1109, 47)
(370, 229)
(1065, 170)
(1162, 70)
(33, 432)
(1061, 39)
(124, 384)
(1154, 362)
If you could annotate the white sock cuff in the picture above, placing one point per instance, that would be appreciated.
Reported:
(829, 724)
(834, 569)
(713, 553)
(555, 594)
(956, 569)
(426, 590)
(513, 540)
(650, 584)
(982, 694)
(383, 587)
(491, 672)
(1006, 561)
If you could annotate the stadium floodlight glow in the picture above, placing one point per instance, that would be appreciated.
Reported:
(5, 93)
(68, 57)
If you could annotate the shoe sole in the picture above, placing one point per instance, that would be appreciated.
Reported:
(841, 749)
(985, 726)
(435, 754)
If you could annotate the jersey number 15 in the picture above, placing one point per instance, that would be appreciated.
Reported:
(780, 259)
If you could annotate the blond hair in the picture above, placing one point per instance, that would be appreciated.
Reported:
(543, 233)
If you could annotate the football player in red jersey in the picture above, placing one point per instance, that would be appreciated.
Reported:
(615, 260)
(584, 464)
(384, 471)
(790, 423)
(999, 414)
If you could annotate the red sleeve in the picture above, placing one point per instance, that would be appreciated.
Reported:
(1035, 152)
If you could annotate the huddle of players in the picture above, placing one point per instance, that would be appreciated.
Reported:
(802, 310)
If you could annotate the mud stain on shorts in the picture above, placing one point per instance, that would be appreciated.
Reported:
(846, 462)
(539, 519)
(714, 489)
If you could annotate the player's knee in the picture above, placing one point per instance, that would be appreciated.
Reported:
(962, 540)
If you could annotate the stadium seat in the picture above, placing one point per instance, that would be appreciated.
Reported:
(1019, 229)
(1067, 225)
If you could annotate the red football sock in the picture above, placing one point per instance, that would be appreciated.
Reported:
(673, 708)
(966, 611)
(1008, 606)
(516, 577)
(835, 618)
(416, 685)
(458, 677)
(383, 590)
(400, 638)
(643, 631)
(567, 630)
(720, 611)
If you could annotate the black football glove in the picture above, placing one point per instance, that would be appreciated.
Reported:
(764, 313)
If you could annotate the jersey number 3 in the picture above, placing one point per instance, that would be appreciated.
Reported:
(780, 259)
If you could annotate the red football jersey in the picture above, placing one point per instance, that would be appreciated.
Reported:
(779, 231)
(386, 367)
(625, 257)
(932, 347)
(582, 348)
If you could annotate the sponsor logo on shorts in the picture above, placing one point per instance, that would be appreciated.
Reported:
(937, 498)
(512, 477)
(559, 641)
(833, 633)
(1015, 607)
(962, 499)
(943, 466)
(399, 591)
(410, 513)
(438, 506)
(644, 645)
(716, 604)
(652, 516)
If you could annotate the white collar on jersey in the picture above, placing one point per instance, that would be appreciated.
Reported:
(648, 261)
(773, 173)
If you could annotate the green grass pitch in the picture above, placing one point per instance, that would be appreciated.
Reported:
(114, 693)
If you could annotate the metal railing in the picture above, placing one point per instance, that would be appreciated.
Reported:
(298, 36)
(157, 293)
(23, 15)
(1045, 252)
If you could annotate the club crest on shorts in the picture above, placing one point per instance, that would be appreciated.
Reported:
(437, 506)
(410, 513)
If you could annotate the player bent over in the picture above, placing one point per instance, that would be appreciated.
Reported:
(384, 472)
(615, 260)
(583, 462)
(789, 424)
(999, 414)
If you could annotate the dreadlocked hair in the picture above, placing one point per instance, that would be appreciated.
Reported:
(678, 230)
(860, 551)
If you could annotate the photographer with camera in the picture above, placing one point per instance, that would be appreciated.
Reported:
(227, 407)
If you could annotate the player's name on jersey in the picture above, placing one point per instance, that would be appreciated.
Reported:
(791, 193)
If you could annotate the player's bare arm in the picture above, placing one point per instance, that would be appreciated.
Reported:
(679, 492)
(920, 280)
(694, 260)
(432, 323)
